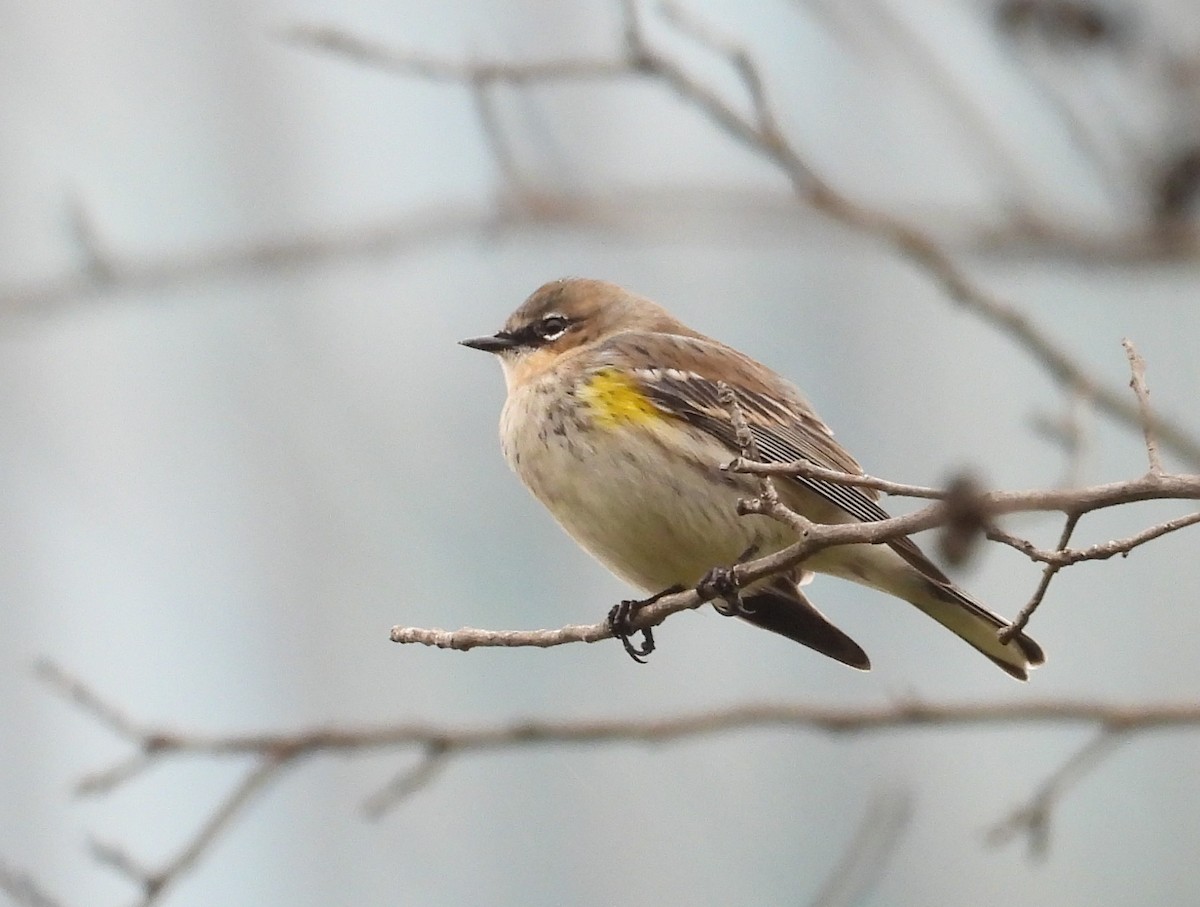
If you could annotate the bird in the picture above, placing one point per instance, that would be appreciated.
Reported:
(614, 421)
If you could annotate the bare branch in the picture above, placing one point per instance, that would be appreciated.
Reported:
(97, 260)
(155, 883)
(767, 493)
(865, 855)
(102, 782)
(75, 690)
(407, 783)
(432, 737)
(1137, 381)
(467, 638)
(1064, 557)
(1039, 594)
(1033, 818)
(814, 537)
(221, 818)
(759, 134)
(438, 69)
(806, 470)
(22, 890)
(417, 230)
(737, 56)
(922, 57)
(438, 743)
(498, 144)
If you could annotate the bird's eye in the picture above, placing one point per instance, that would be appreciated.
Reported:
(552, 327)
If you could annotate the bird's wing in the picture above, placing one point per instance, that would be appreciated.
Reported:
(784, 426)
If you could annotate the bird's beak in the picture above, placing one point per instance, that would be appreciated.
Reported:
(497, 343)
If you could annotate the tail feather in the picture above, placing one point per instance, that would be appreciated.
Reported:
(782, 608)
(955, 610)
(902, 570)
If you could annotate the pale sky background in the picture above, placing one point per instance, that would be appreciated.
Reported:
(218, 494)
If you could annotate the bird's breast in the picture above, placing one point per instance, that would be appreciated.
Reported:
(640, 490)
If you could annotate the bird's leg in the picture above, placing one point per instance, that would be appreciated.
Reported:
(721, 585)
(621, 616)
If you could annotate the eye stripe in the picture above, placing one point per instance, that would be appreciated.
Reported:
(545, 330)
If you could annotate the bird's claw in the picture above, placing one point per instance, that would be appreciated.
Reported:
(619, 618)
(720, 584)
(620, 621)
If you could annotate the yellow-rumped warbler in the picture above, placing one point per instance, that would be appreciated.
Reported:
(613, 420)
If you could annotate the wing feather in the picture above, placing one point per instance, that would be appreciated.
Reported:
(784, 425)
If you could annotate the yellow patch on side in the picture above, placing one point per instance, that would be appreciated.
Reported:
(613, 398)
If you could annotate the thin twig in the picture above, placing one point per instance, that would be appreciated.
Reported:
(1006, 635)
(1137, 381)
(102, 782)
(75, 690)
(967, 113)
(498, 143)
(807, 470)
(1102, 551)
(767, 493)
(97, 260)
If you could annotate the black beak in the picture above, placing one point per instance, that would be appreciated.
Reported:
(497, 343)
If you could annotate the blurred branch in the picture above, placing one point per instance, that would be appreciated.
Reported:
(1108, 155)
(152, 745)
(438, 744)
(1068, 430)
(439, 69)
(856, 24)
(700, 213)
(108, 271)
(22, 890)
(866, 854)
(155, 883)
(759, 132)
(1032, 819)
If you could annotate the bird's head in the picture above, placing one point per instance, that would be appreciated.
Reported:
(562, 316)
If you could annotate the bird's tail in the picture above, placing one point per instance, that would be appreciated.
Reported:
(907, 573)
(779, 606)
(955, 610)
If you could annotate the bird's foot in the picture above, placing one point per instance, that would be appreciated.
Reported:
(620, 621)
(721, 585)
